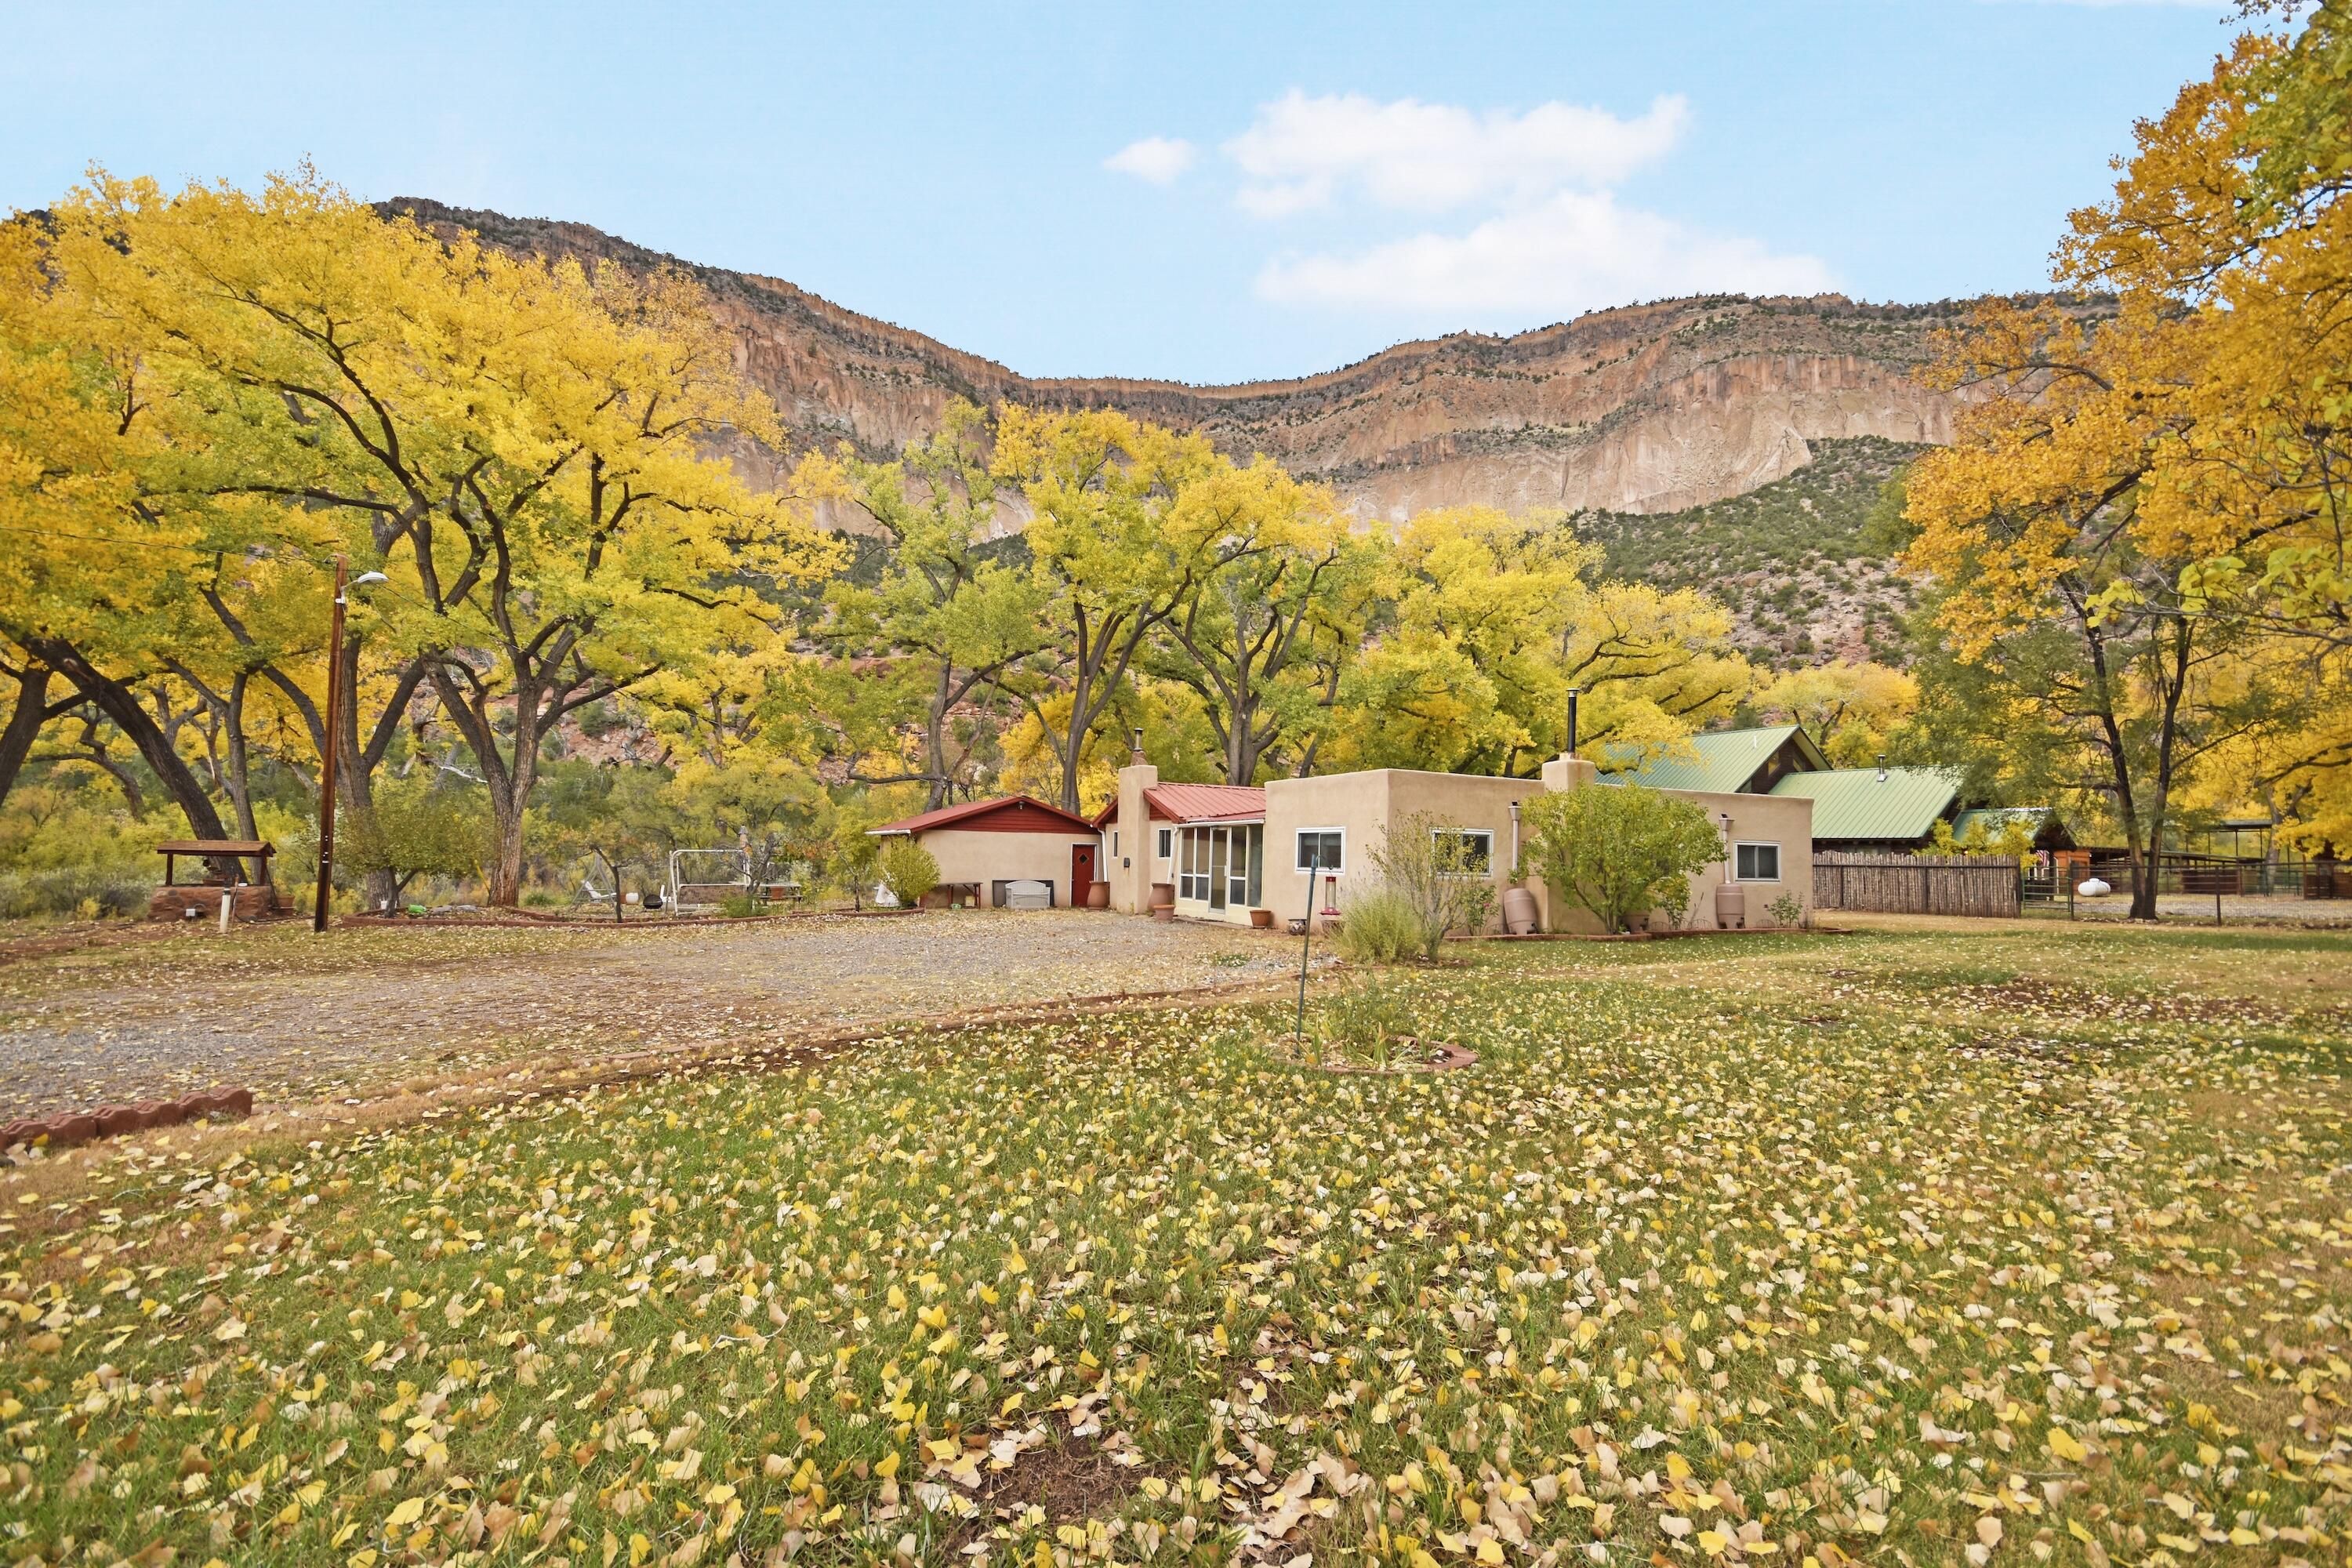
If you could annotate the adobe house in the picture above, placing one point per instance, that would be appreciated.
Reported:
(984, 845)
(1300, 847)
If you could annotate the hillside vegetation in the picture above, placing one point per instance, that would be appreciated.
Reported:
(1793, 560)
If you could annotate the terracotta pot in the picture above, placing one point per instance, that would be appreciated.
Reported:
(1163, 895)
(1097, 895)
(1518, 911)
(1262, 918)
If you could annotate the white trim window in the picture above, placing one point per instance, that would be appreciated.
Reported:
(1321, 850)
(1755, 862)
(1166, 842)
(1477, 846)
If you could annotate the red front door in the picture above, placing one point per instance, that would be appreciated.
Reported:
(1082, 873)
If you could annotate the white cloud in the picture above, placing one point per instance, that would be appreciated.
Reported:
(1576, 251)
(1300, 152)
(1156, 159)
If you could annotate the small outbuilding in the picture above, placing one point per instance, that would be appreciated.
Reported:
(987, 849)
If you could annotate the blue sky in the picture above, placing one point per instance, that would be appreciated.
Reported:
(1201, 192)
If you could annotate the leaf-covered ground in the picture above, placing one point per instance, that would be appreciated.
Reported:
(1902, 1247)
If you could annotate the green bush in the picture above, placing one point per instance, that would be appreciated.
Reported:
(65, 890)
(908, 871)
(1619, 850)
(736, 906)
(1381, 926)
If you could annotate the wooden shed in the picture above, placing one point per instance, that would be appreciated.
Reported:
(985, 846)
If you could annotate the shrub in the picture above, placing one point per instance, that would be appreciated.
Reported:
(85, 890)
(739, 905)
(908, 871)
(1619, 850)
(1380, 927)
(1432, 872)
(415, 830)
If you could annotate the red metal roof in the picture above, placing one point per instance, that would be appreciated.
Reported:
(1197, 802)
(1007, 813)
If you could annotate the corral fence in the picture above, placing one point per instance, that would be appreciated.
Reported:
(1915, 884)
(2230, 876)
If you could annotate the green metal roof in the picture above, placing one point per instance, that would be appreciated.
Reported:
(1720, 759)
(1855, 802)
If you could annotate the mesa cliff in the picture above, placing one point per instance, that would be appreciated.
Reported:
(1645, 409)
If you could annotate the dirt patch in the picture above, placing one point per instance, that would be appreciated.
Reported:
(1071, 1478)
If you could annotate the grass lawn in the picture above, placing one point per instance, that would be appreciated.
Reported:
(1905, 1247)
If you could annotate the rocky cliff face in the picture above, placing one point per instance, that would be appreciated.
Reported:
(1648, 408)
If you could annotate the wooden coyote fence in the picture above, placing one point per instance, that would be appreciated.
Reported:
(1915, 884)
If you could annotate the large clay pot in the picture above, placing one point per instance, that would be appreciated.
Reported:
(1262, 918)
(1518, 911)
(1097, 895)
(1163, 896)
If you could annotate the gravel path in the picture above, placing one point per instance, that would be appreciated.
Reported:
(2190, 907)
(295, 1016)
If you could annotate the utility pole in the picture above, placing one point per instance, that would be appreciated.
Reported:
(327, 761)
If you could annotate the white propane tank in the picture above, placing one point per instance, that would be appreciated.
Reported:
(2093, 888)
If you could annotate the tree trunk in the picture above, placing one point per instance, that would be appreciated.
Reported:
(25, 721)
(240, 775)
(935, 738)
(117, 702)
(509, 786)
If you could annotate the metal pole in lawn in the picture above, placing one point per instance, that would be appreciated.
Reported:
(1306, 940)
(327, 760)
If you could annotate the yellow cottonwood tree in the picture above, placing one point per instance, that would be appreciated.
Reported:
(2166, 489)
(1494, 618)
(1849, 706)
(526, 449)
(1108, 571)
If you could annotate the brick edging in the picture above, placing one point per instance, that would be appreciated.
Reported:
(65, 1127)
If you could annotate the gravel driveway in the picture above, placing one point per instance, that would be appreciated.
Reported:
(296, 1016)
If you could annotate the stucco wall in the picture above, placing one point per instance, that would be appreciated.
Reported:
(1363, 805)
(986, 858)
(1785, 820)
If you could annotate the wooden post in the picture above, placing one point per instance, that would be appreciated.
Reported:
(327, 761)
(1306, 946)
